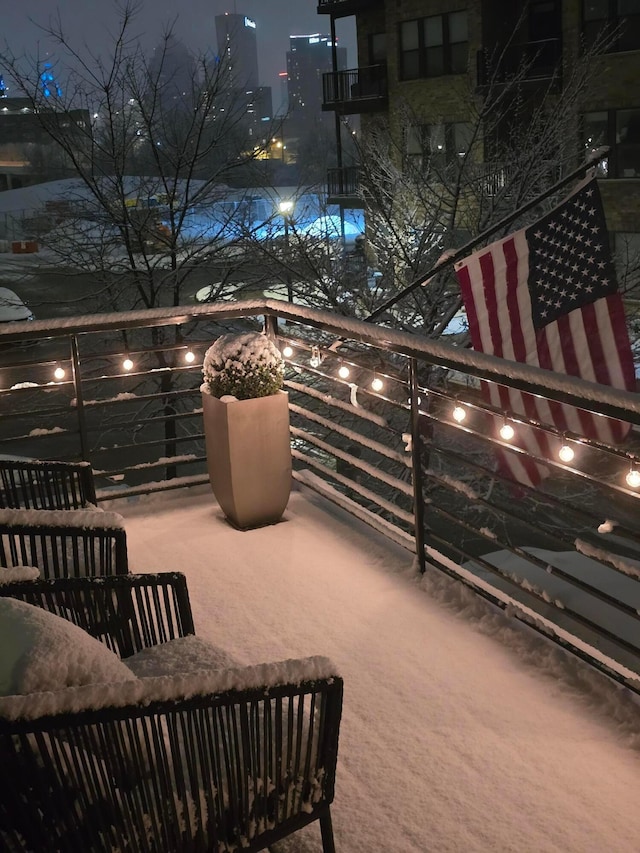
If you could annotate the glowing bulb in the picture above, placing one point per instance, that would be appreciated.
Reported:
(459, 414)
(127, 364)
(59, 373)
(377, 384)
(566, 453)
(343, 371)
(316, 358)
(507, 431)
(633, 478)
(287, 351)
(189, 356)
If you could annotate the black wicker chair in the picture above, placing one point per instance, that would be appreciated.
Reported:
(41, 484)
(72, 543)
(127, 613)
(208, 761)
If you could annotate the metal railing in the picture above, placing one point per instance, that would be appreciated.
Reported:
(341, 8)
(373, 429)
(345, 182)
(353, 88)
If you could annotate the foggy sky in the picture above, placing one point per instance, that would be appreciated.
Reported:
(88, 21)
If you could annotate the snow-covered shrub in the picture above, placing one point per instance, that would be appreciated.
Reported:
(243, 366)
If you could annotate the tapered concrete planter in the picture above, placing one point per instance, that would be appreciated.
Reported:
(249, 457)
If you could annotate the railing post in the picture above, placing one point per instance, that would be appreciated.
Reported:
(416, 465)
(77, 383)
(271, 326)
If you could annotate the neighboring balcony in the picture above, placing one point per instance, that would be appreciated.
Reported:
(342, 8)
(344, 187)
(357, 90)
(530, 63)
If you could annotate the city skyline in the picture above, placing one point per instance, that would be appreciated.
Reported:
(91, 27)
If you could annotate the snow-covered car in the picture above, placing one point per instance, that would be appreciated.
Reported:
(12, 308)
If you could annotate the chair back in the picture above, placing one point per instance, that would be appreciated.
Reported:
(40, 484)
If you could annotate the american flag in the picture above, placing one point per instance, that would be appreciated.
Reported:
(547, 296)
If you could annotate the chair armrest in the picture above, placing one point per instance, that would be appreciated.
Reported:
(126, 612)
(173, 760)
(42, 484)
(64, 543)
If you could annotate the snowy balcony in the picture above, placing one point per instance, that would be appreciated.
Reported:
(462, 730)
(394, 430)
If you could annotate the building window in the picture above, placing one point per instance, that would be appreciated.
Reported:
(377, 49)
(433, 46)
(620, 18)
(620, 130)
(626, 255)
(437, 145)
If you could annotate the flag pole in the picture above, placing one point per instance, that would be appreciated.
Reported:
(459, 254)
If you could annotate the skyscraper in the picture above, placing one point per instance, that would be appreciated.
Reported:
(238, 49)
(174, 72)
(308, 58)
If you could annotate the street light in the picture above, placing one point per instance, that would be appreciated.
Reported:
(286, 209)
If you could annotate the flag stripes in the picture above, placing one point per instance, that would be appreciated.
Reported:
(546, 296)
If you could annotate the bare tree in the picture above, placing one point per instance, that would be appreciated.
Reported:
(431, 183)
(154, 145)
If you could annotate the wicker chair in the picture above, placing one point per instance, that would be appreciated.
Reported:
(220, 761)
(69, 543)
(40, 484)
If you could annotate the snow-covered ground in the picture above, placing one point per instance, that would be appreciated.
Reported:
(461, 731)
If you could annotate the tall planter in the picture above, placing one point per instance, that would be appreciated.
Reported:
(249, 457)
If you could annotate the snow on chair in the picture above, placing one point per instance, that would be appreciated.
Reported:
(43, 484)
(171, 748)
(63, 543)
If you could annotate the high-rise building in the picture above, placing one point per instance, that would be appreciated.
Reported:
(238, 49)
(174, 69)
(308, 58)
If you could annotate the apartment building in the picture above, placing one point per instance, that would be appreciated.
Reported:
(426, 53)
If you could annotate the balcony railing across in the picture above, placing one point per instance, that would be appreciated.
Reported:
(355, 90)
(393, 427)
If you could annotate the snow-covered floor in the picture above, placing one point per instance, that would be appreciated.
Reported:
(461, 730)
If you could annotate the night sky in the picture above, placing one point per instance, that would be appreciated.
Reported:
(90, 23)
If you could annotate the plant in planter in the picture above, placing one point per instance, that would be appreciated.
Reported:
(246, 423)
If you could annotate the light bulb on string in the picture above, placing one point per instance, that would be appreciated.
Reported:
(59, 373)
(507, 431)
(566, 453)
(343, 371)
(633, 477)
(459, 413)
(377, 384)
(127, 364)
(189, 356)
(287, 351)
(316, 358)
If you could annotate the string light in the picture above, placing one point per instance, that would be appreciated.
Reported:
(343, 371)
(459, 413)
(127, 364)
(566, 453)
(189, 356)
(377, 384)
(633, 477)
(287, 351)
(59, 373)
(507, 431)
